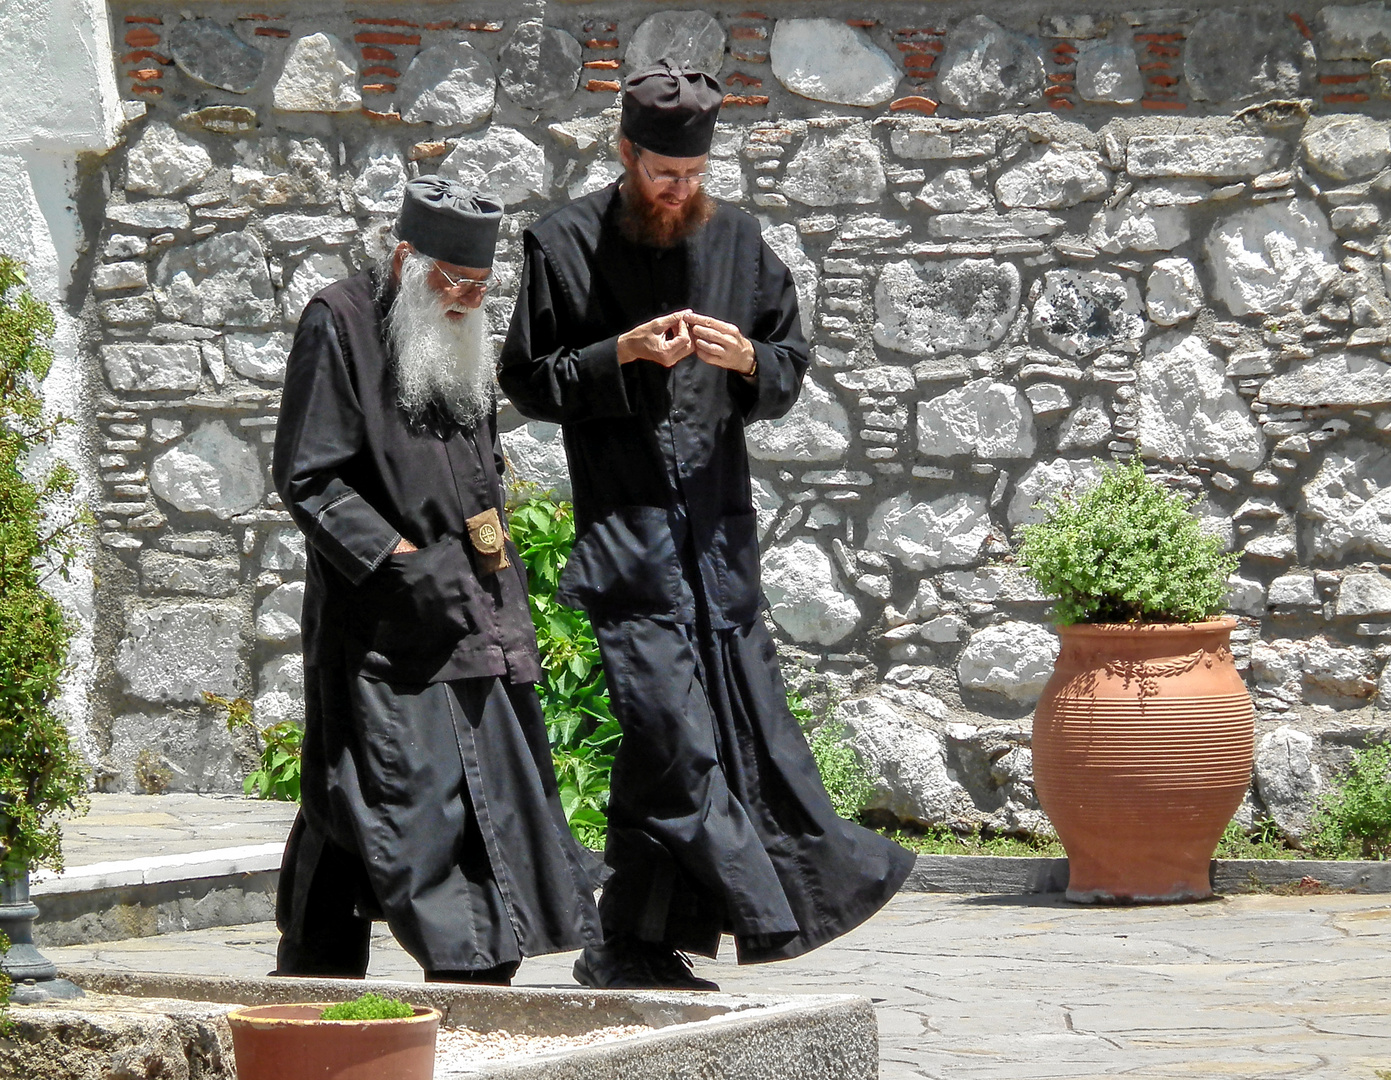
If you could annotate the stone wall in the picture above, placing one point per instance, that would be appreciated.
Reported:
(1023, 240)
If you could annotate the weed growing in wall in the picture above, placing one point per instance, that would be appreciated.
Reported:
(1354, 815)
(282, 747)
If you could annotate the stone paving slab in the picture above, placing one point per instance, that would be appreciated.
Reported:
(1029, 988)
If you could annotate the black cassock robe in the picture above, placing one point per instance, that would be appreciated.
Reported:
(428, 793)
(717, 816)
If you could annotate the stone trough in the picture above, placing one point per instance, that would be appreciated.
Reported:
(150, 1025)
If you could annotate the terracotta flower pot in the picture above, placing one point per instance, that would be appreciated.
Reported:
(1142, 745)
(290, 1042)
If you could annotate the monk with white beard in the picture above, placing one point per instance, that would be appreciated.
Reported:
(428, 794)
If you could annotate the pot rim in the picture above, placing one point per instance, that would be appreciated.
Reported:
(248, 1015)
(1217, 622)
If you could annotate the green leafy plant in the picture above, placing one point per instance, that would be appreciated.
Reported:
(843, 774)
(369, 1006)
(41, 776)
(282, 748)
(152, 776)
(1126, 550)
(944, 840)
(1354, 814)
(574, 696)
(1265, 841)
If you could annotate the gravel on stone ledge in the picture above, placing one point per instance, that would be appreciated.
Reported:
(458, 1049)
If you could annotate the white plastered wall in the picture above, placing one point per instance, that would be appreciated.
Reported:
(61, 101)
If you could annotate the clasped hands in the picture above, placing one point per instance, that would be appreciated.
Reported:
(669, 338)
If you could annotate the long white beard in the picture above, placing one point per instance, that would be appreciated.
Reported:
(442, 364)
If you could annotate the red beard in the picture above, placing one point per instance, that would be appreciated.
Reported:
(655, 225)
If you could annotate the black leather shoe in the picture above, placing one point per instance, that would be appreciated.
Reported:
(625, 964)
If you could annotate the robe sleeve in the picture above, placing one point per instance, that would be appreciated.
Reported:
(321, 429)
(778, 345)
(546, 377)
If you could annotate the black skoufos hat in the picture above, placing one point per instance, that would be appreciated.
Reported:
(670, 111)
(443, 220)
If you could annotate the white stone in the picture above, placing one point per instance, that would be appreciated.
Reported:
(258, 356)
(1045, 479)
(284, 171)
(1047, 399)
(211, 471)
(766, 504)
(151, 214)
(1296, 589)
(1287, 778)
(989, 584)
(449, 85)
(535, 455)
(1341, 673)
(283, 549)
(152, 367)
(221, 281)
(1136, 226)
(320, 75)
(540, 65)
(943, 630)
(786, 244)
(599, 175)
(836, 166)
(1011, 659)
(826, 60)
(1335, 379)
(1277, 664)
(1054, 179)
(280, 691)
(690, 39)
(816, 428)
(1271, 258)
(1347, 147)
(953, 191)
(1108, 73)
(724, 179)
(1087, 426)
(1190, 409)
(985, 419)
(277, 617)
(1173, 292)
(501, 161)
(1354, 32)
(1361, 595)
(1349, 501)
(300, 228)
(1245, 596)
(381, 181)
(985, 68)
(1216, 157)
(110, 277)
(1083, 311)
(907, 759)
(961, 305)
(200, 755)
(318, 271)
(1020, 224)
(174, 652)
(949, 531)
(804, 596)
(164, 161)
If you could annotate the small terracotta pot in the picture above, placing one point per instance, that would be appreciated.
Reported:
(290, 1042)
(1142, 748)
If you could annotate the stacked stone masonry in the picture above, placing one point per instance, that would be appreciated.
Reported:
(1023, 241)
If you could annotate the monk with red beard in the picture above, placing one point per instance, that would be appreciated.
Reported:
(654, 323)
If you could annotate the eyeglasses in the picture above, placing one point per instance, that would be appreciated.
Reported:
(467, 284)
(672, 179)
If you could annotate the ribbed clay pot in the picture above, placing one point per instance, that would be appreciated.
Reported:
(290, 1042)
(1142, 750)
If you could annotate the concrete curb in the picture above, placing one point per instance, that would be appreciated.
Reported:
(234, 886)
(1009, 874)
(823, 1037)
